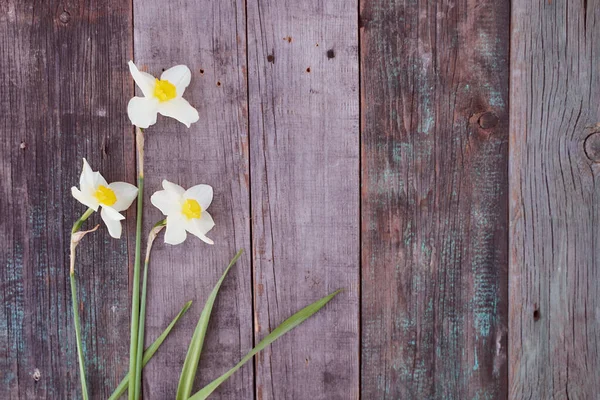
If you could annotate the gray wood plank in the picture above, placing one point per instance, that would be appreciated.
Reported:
(434, 109)
(554, 202)
(64, 90)
(209, 37)
(303, 80)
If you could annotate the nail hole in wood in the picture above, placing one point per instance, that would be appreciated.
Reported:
(308, 69)
(218, 83)
(488, 120)
(536, 315)
(201, 72)
(104, 148)
(330, 54)
(271, 58)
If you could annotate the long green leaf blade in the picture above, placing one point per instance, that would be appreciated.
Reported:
(281, 330)
(190, 365)
(149, 353)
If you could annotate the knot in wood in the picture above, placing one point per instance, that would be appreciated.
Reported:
(65, 17)
(488, 120)
(591, 146)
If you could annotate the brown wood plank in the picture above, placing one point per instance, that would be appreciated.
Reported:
(303, 80)
(64, 91)
(209, 37)
(434, 98)
(554, 204)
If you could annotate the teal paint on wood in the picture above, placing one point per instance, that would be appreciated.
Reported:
(434, 199)
(64, 93)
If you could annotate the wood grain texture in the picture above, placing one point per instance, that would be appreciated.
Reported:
(434, 80)
(554, 203)
(64, 91)
(209, 37)
(303, 85)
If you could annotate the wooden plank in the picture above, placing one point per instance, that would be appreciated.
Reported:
(209, 37)
(554, 204)
(303, 80)
(65, 88)
(434, 98)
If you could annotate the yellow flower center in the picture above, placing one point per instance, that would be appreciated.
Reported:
(191, 209)
(164, 90)
(105, 196)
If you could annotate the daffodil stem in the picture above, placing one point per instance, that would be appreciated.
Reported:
(140, 340)
(150, 351)
(81, 220)
(135, 295)
(73, 246)
(84, 389)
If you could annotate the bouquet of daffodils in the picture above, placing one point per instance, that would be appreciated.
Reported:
(185, 211)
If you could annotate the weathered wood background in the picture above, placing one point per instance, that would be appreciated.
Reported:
(376, 146)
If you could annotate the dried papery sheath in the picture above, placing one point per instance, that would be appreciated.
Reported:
(77, 236)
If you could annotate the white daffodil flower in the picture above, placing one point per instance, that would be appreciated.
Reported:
(95, 192)
(161, 96)
(185, 211)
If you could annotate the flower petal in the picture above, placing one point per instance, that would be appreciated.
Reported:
(206, 222)
(125, 192)
(144, 80)
(86, 179)
(113, 225)
(180, 76)
(99, 180)
(179, 109)
(200, 227)
(88, 201)
(173, 187)
(142, 111)
(112, 213)
(90, 180)
(203, 194)
(175, 233)
(166, 201)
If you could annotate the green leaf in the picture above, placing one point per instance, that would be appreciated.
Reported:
(282, 329)
(150, 352)
(190, 365)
